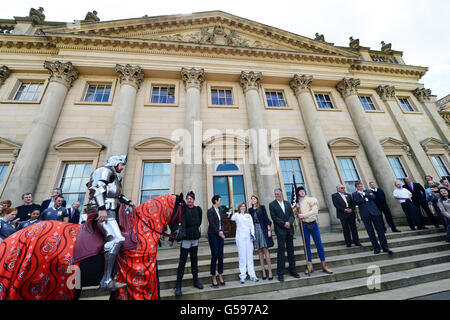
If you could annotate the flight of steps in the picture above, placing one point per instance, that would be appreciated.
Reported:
(420, 260)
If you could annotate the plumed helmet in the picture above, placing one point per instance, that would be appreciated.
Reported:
(115, 160)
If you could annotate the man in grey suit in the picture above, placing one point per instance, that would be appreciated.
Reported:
(283, 219)
(371, 217)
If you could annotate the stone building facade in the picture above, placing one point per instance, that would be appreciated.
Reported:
(207, 101)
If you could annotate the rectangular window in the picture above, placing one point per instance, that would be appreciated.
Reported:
(221, 187)
(221, 97)
(287, 165)
(155, 180)
(73, 182)
(163, 94)
(324, 101)
(349, 173)
(440, 166)
(98, 93)
(367, 103)
(3, 169)
(406, 105)
(29, 91)
(275, 99)
(398, 169)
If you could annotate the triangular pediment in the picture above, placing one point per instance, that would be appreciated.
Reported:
(8, 146)
(155, 144)
(79, 144)
(433, 144)
(215, 28)
(343, 143)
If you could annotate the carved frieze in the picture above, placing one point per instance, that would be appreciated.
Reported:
(37, 15)
(300, 83)
(61, 72)
(132, 75)
(422, 94)
(250, 80)
(218, 35)
(193, 78)
(4, 74)
(92, 17)
(347, 87)
(386, 92)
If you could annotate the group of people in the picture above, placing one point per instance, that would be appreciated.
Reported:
(13, 218)
(254, 228)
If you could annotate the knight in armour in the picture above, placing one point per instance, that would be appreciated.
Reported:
(105, 194)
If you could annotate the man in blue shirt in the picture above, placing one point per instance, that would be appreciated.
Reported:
(57, 212)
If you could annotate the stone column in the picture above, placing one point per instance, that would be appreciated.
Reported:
(131, 78)
(423, 163)
(4, 74)
(193, 152)
(25, 174)
(261, 156)
(374, 151)
(424, 97)
(323, 159)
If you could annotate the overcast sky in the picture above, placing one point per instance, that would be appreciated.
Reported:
(419, 28)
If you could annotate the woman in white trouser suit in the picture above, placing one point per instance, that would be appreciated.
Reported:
(245, 234)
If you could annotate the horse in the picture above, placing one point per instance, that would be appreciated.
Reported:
(36, 263)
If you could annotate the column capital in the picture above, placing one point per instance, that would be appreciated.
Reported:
(61, 72)
(4, 74)
(347, 87)
(386, 92)
(422, 94)
(301, 83)
(193, 78)
(132, 75)
(250, 80)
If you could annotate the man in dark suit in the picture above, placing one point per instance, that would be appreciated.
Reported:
(49, 202)
(283, 219)
(345, 211)
(74, 213)
(419, 198)
(371, 217)
(380, 201)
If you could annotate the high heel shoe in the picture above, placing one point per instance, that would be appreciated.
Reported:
(264, 277)
(222, 283)
(215, 285)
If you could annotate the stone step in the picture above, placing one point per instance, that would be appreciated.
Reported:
(352, 270)
(409, 244)
(233, 262)
(171, 255)
(414, 291)
(167, 282)
(354, 287)
(343, 279)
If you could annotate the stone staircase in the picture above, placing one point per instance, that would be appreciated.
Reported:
(420, 259)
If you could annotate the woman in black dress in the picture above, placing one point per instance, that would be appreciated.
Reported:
(263, 234)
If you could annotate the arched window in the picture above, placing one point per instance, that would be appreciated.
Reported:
(227, 166)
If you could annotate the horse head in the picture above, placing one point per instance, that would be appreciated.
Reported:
(177, 214)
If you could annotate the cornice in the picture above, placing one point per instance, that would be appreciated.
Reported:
(382, 67)
(52, 43)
